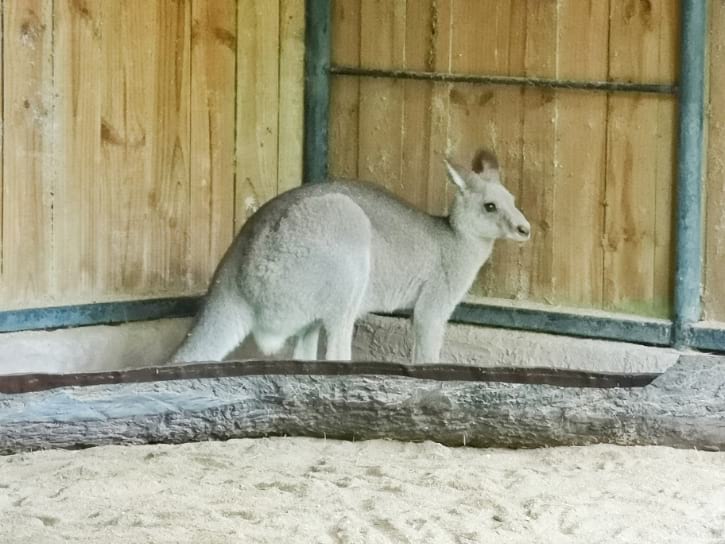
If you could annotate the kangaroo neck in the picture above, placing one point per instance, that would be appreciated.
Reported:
(464, 258)
(472, 251)
(470, 248)
(461, 260)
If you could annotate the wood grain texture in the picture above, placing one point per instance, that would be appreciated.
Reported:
(666, 165)
(213, 84)
(382, 44)
(345, 91)
(491, 116)
(122, 212)
(416, 103)
(83, 191)
(120, 182)
(291, 93)
(28, 175)
(437, 186)
(540, 150)
(142, 199)
(594, 174)
(3, 284)
(684, 407)
(257, 105)
(146, 143)
(714, 277)
(579, 174)
(640, 34)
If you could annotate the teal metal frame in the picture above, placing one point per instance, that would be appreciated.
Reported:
(105, 313)
(317, 90)
(681, 331)
(689, 234)
(569, 84)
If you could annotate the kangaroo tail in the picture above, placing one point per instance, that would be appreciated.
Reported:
(220, 327)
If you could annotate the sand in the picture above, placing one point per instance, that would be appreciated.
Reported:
(311, 490)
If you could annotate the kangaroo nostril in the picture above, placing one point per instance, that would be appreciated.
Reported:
(523, 230)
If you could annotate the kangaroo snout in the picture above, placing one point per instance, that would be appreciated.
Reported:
(521, 229)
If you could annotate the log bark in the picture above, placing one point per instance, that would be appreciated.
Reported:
(683, 407)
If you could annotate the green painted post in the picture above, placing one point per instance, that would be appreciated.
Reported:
(688, 266)
(317, 90)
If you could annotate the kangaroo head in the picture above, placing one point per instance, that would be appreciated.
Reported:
(482, 207)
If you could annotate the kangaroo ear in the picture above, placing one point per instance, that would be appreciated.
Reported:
(484, 160)
(456, 176)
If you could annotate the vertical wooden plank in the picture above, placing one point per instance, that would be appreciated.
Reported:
(145, 136)
(382, 35)
(257, 105)
(632, 164)
(540, 126)
(664, 257)
(82, 204)
(345, 92)
(629, 238)
(488, 116)
(436, 200)
(578, 226)
(213, 81)
(2, 138)
(666, 138)
(488, 36)
(714, 287)
(491, 116)
(124, 148)
(168, 198)
(28, 108)
(420, 17)
(291, 92)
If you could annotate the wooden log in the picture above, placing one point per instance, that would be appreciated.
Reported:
(453, 405)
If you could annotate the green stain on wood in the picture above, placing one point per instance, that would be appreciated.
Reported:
(659, 307)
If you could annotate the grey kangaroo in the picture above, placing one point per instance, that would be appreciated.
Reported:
(322, 255)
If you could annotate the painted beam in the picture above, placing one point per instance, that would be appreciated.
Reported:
(689, 254)
(566, 84)
(317, 90)
(655, 332)
(708, 338)
(642, 331)
(97, 314)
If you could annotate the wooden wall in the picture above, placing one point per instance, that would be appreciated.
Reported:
(593, 172)
(714, 288)
(137, 136)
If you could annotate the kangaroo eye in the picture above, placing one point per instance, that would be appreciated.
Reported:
(489, 207)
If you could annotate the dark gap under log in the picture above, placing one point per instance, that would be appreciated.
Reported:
(683, 407)
(25, 383)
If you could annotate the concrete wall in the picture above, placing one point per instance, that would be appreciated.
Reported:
(377, 338)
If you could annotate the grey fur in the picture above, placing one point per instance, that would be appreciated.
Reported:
(322, 255)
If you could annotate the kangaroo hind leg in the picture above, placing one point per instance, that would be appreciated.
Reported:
(218, 329)
(307, 342)
(340, 327)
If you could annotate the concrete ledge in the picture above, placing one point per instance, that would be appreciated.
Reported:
(149, 343)
(390, 339)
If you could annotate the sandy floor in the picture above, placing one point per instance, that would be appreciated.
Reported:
(306, 490)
